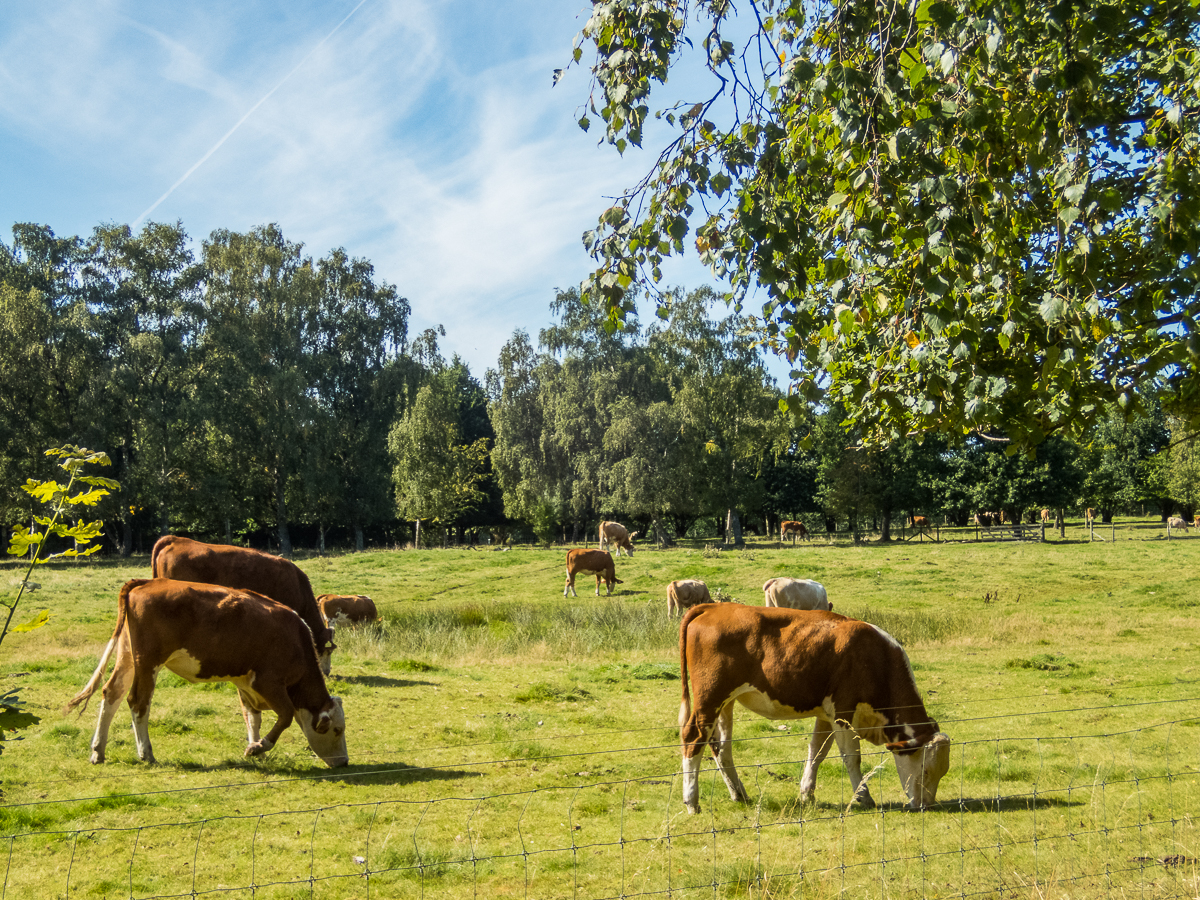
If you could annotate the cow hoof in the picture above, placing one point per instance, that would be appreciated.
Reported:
(693, 808)
(97, 757)
(258, 748)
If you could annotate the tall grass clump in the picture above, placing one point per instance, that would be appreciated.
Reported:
(919, 625)
(507, 629)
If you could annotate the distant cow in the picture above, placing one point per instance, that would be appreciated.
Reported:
(350, 608)
(796, 593)
(920, 523)
(280, 579)
(1089, 515)
(1045, 515)
(597, 561)
(794, 528)
(1178, 522)
(1196, 522)
(615, 533)
(206, 633)
(793, 664)
(983, 519)
(685, 594)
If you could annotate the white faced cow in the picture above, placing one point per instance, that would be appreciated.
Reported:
(203, 633)
(793, 664)
(591, 561)
(796, 593)
(280, 579)
(685, 594)
(352, 609)
(615, 533)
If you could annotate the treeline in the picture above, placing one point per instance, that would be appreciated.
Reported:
(256, 393)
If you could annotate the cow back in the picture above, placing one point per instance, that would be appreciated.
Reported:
(184, 559)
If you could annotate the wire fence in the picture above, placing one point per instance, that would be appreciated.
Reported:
(1072, 531)
(1077, 815)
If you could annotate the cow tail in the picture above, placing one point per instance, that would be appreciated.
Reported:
(94, 682)
(685, 705)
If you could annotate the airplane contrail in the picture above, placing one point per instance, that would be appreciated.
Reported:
(217, 146)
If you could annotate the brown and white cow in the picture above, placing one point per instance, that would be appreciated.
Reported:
(796, 593)
(250, 570)
(1178, 522)
(792, 664)
(597, 561)
(349, 608)
(205, 633)
(1089, 516)
(686, 593)
(615, 533)
(793, 528)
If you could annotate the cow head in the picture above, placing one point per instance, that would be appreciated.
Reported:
(325, 648)
(921, 765)
(326, 732)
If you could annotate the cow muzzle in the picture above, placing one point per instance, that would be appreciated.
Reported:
(921, 767)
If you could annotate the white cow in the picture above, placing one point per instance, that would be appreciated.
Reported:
(796, 593)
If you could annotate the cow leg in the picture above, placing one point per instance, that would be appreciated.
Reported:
(570, 587)
(140, 694)
(598, 577)
(722, 750)
(253, 717)
(849, 745)
(693, 735)
(111, 695)
(275, 697)
(818, 749)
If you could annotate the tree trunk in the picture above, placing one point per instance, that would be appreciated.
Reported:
(885, 531)
(321, 538)
(126, 536)
(228, 531)
(164, 521)
(660, 533)
(285, 537)
(733, 528)
(417, 535)
(358, 538)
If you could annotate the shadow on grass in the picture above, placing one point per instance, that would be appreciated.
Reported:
(1018, 803)
(380, 681)
(396, 773)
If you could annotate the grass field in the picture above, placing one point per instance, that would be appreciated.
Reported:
(507, 742)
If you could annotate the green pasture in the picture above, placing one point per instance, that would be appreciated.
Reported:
(505, 741)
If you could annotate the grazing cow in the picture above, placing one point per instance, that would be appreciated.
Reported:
(597, 561)
(1045, 514)
(796, 593)
(921, 523)
(615, 533)
(1089, 515)
(685, 594)
(1178, 522)
(794, 528)
(205, 633)
(348, 608)
(792, 664)
(280, 579)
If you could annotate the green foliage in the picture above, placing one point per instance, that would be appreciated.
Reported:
(72, 460)
(967, 217)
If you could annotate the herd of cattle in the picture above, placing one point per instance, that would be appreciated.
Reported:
(221, 613)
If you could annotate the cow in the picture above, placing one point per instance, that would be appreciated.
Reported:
(349, 608)
(206, 633)
(1089, 515)
(792, 664)
(1178, 522)
(796, 529)
(921, 523)
(280, 579)
(685, 594)
(597, 561)
(1045, 515)
(1196, 522)
(983, 519)
(615, 533)
(796, 593)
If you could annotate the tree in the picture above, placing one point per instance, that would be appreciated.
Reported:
(436, 474)
(968, 216)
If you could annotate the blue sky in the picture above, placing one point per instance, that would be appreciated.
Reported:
(422, 135)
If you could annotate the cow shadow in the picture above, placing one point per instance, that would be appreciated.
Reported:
(1019, 803)
(395, 773)
(380, 681)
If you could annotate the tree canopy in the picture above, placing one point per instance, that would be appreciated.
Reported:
(967, 216)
